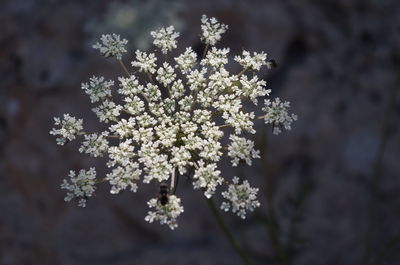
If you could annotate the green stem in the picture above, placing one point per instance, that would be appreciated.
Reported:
(227, 233)
(242, 72)
(272, 224)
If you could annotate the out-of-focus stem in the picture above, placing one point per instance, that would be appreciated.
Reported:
(113, 136)
(272, 224)
(101, 180)
(242, 72)
(205, 51)
(261, 117)
(227, 233)
(124, 67)
(172, 185)
(150, 78)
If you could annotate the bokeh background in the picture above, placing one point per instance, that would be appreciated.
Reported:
(330, 188)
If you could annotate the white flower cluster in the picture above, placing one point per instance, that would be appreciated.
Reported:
(165, 214)
(97, 88)
(241, 149)
(211, 30)
(80, 186)
(165, 75)
(111, 46)
(216, 58)
(70, 128)
(207, 178)
(123, 177)
(169, 119)
(254, 62)
(145, 62)
(241, 198)
(164, 38)
(186, 60)
(107, 111)
(277, 114)
(95, 144)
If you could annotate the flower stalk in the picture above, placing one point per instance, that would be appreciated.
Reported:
(235, 245)
(124, 67)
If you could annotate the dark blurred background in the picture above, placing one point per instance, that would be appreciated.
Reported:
(330, 188)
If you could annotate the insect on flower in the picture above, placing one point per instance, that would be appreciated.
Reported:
(163, 196)
(272, 64)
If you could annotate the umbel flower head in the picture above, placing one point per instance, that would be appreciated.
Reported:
(166, 118)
